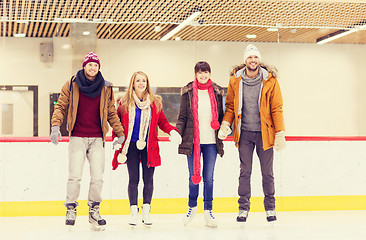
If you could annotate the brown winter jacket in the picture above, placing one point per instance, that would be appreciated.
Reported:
(270, 106)
(69, 100)
(185, 123)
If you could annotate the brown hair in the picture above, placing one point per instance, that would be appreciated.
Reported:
(202, 66)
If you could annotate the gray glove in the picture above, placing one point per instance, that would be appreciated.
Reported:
(117, 142)
(55, 134)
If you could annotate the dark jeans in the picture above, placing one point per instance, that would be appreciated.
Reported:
(249, 140)
(134, 157)
(209, 154)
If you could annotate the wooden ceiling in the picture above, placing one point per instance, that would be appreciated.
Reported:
(297, 21)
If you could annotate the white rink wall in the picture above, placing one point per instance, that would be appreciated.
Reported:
(37, 171)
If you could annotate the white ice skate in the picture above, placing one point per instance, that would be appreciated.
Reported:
(146, 214)
(134, 217)
(210, 219)
(189, 215)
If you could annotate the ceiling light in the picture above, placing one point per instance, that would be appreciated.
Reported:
(18, 35)
(65, 46)
(177, 39)
(157, 28)
(293, 30)
(272, 29)
(251, 36)
(22, 21)
(86, 33)
(180, 26)
(338, 34)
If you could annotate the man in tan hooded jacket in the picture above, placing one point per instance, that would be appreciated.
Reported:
(254, 107)
(89, 103)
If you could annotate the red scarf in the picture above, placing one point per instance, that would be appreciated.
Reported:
(196, 178)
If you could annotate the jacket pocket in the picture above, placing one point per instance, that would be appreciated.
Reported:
(271, 133)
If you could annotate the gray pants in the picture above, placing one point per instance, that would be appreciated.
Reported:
(93, 150)
(249, 140)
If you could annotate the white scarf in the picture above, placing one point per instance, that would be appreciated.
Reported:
(144, 125)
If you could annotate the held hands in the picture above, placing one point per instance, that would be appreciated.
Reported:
(280, 141)
(224, 131)
(175, 137)
(55, 134)
(117, 142)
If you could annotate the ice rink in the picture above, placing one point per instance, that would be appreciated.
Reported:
(320, 225)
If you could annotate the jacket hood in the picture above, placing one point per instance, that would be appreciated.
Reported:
(269, 68)
(189, 87)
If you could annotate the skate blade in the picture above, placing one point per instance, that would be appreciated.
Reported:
(132, 225)
(69, 228)
(272, 223)
(242, 225)
(147, 224)
(211, 225)
(97, 228)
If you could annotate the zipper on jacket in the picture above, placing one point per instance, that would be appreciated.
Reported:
(190, 106)
(147, 142)
(72, 105)
(103, 119)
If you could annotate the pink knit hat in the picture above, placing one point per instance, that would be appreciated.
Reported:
(91, 57)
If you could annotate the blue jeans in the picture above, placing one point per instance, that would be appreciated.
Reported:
(209, 154)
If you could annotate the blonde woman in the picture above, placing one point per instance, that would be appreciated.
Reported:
(141, 113)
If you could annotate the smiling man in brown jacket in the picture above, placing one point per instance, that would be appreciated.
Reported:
(254, 107)
(89, 101)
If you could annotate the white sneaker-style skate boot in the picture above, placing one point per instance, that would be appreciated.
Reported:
(242, 216)
(70, 214)
(271, 215)
(96, 221)
(189, 215)
(146, 214)
(210, 219)
(134, 217)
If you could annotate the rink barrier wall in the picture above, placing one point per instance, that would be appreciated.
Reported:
(178, 205)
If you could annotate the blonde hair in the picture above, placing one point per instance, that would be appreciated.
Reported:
(129, 101)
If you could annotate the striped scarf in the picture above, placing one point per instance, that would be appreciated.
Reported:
(144, 126)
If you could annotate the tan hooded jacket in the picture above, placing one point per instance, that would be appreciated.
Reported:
(68, 102)
(270, 106)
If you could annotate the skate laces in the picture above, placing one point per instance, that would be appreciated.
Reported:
(71, 213)
(271, 213)
(95, 213)
(210, 214)
(244, 213)
(190, 212)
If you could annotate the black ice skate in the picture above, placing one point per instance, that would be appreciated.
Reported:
(70, 214)
(271, 215)
(96, 221)
(242, 216)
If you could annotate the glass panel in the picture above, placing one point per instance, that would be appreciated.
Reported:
(17, 120)
(7, 118)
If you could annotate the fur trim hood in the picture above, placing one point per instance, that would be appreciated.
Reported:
(269, 68)
(218, 90)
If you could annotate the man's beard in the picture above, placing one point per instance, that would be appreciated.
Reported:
(252, 69)
(89, 76)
